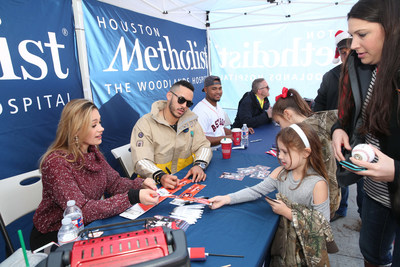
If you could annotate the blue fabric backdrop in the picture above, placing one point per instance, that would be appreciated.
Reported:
(133, 61)
(39, 74)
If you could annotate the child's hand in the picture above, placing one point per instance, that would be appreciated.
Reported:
(280, 208)
(219, 201)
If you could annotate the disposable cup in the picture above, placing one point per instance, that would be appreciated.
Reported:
(226, 146)
(237, 136)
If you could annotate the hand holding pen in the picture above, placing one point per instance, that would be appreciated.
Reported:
(169, 181)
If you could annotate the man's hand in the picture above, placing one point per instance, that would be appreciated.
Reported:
(269, 112)
(169, 181)
(198, 174)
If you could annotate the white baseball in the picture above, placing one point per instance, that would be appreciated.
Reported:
(363, 152)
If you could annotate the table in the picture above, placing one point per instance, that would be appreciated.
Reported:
(243, 229)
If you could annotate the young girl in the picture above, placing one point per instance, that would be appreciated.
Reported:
(291, 108)
(302, 198)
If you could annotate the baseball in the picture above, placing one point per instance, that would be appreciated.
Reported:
(363, 152)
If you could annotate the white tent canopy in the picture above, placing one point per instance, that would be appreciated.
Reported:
(237, 13)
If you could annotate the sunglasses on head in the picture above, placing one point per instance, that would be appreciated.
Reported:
(182, 100)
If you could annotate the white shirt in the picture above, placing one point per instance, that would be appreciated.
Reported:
(211, 119)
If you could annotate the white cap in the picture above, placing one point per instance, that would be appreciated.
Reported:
(70, 203)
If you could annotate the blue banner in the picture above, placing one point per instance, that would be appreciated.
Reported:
(39, 74)
(133, 61)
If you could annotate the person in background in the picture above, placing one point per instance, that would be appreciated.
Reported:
(169, 138)
(302, 198)
(328, 92)
(327, 99)
(291, 108)
(369, 113)
(254, 108)
(73, 168)
(210, 115)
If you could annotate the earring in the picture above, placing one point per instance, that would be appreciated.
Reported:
(76, 140)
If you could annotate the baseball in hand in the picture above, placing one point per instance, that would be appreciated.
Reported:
(363, 152)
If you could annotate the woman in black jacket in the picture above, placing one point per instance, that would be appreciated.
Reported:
(369, 113)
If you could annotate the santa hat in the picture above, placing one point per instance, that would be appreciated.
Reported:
(341, 38)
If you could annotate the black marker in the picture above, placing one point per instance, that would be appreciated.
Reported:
(166, 168)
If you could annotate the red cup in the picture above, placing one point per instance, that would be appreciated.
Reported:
(237, 136)
(226, 145)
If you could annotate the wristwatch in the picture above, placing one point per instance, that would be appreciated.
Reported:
(201, 164)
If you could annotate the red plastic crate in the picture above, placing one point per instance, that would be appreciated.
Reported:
(121, 249)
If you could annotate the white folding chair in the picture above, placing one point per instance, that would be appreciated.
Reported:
(123, 154)
(18, 199)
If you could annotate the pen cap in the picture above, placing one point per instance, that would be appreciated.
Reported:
(197, 254)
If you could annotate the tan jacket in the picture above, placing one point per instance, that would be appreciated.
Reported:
(155, 145)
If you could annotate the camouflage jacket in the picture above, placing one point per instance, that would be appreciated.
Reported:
(302, 242)
(322, 122)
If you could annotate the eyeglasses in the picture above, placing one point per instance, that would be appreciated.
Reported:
(266, 87)
(182, 100)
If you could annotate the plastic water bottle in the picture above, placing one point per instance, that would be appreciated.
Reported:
(245, 135)
(75, 214)
(68, 232)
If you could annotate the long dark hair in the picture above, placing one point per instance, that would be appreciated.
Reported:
(386, 13)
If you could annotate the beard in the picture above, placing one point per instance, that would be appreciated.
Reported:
(173, 111)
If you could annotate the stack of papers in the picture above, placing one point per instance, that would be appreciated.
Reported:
(188, 213)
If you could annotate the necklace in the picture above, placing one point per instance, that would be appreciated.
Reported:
(174, 126)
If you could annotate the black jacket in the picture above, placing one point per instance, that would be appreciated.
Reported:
(328, 92)
(250, 112)
(390, 144)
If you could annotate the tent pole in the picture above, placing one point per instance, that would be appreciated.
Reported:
(81, 44)
(208, 43)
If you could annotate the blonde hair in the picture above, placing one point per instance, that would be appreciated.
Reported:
(73, 127)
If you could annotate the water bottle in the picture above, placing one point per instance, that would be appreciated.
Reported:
(245, 135)
(74, 212)
(68, 232)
